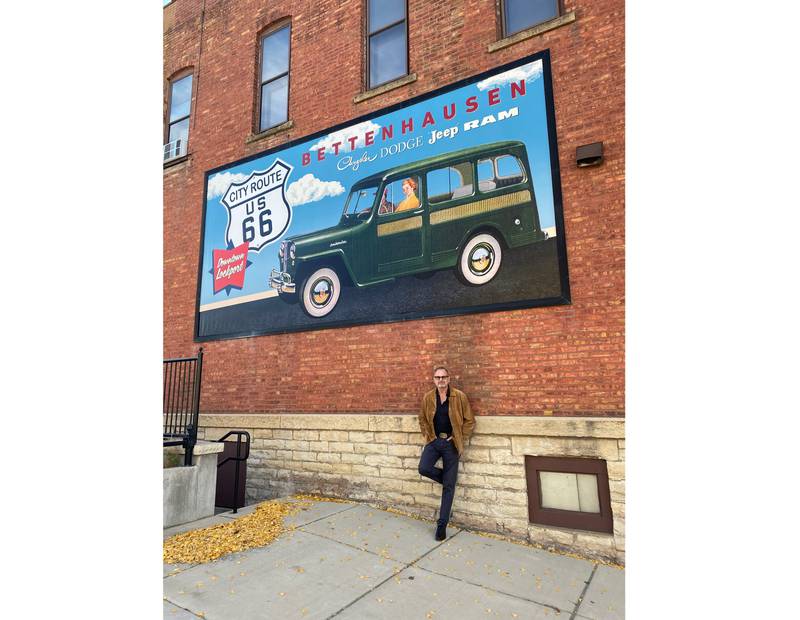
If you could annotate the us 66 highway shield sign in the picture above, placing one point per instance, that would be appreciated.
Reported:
(258, 212)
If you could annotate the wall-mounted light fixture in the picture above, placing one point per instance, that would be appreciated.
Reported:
(589, 155)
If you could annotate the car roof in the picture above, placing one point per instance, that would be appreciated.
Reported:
(438, 159)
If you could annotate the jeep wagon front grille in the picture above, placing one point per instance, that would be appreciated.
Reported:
(285, 258)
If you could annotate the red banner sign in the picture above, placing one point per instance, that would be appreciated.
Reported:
(229, 266)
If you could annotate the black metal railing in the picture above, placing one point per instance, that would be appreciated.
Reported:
(237, 459)
(182, 377)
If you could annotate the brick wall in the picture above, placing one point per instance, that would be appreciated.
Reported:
(566, 360)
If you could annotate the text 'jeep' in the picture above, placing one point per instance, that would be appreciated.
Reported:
(461, 210)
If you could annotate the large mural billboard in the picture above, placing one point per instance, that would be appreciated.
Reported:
(447, 204)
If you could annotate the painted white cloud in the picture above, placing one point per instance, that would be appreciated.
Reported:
(343, 135)
(220, 182)
(309, 188)
(529, 73)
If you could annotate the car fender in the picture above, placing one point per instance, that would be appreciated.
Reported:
(335, 258)
(488, 227)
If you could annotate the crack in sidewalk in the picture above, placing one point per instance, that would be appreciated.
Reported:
(186, 609)
(583, 593)
(485, 587)
(393, 575)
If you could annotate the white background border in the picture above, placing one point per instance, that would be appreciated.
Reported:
(712, 309)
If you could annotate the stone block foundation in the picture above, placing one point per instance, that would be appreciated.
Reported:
(374, 458)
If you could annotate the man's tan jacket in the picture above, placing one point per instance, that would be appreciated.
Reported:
(460, 417)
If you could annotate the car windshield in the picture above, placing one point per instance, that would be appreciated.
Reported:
(360, 201)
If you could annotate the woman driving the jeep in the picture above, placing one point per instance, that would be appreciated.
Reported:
(410, 201)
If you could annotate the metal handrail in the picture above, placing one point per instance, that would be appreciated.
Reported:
(181, 410)
(181, 359)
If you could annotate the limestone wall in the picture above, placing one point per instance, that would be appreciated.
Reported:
(374, 458)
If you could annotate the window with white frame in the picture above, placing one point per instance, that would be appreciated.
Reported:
(521, 14)
(387, 41)
(180, 106)
(274, 92)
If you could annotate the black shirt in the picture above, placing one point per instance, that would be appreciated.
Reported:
(441, 419)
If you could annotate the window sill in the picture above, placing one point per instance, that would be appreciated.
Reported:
(269, 132)
(568, 530)
(176, 160)
(384, 88)
(561, 20)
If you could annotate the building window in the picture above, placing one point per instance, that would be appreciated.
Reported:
(274, 92)
(569, 492)
(387, 41)
(180, 105)
(521, 14)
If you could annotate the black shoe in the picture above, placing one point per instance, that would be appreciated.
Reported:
(441, 532)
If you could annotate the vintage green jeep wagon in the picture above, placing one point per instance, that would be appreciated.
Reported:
(461, 209)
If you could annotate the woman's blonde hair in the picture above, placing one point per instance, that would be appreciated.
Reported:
(412, 183)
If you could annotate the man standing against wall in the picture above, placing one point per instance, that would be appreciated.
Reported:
(446, 422)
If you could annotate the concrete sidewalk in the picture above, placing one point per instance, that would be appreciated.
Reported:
(355, 562)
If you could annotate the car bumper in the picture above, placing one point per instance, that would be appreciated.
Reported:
(281, 282)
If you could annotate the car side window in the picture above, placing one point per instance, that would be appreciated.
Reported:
(486, 182)
(400, 195)
(509, 169)
(499, 172)
(449, 183)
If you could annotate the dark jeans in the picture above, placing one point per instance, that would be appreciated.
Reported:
(445, 476)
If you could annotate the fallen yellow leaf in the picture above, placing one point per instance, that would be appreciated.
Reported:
(256, 529)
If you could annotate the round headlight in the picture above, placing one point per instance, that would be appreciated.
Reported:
(280, 251)
(292, 252)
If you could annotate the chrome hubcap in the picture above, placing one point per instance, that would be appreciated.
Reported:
(322, 292)
(481, 259)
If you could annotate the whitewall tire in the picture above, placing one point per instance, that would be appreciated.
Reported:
(480, 259)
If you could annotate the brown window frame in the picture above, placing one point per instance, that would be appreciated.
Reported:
(368, 38)
(602, 522)
(183, 73)
(268, 32)
(504, 31)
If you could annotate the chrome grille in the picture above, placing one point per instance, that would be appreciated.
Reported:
(285, 257)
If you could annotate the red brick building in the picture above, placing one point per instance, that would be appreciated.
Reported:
(334, 411)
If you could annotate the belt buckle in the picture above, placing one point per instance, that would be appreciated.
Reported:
(443, 435)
